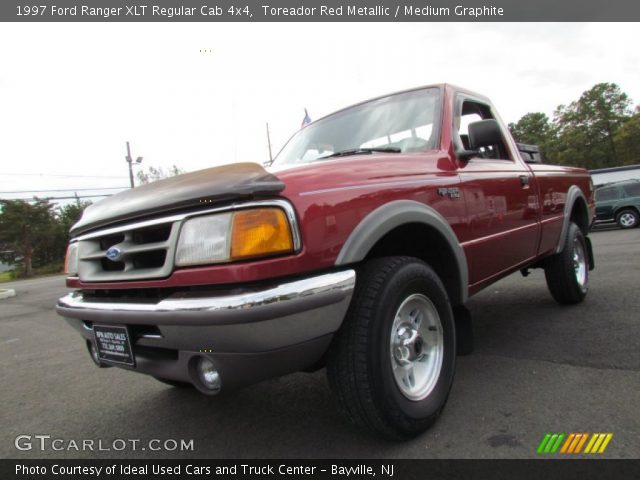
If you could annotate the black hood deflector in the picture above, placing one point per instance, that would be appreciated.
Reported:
(212, 185)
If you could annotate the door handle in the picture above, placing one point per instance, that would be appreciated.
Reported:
(524, 180)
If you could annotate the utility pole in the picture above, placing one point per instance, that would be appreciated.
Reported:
(130, 162)
(269, 143)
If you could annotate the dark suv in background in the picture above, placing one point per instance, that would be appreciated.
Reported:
(619, 202)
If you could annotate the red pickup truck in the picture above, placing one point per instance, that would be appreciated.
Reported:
(356, 249)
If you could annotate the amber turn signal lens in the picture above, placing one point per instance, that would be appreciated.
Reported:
(263, 231)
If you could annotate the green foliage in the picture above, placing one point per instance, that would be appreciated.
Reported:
(534, 129)
(153, 174)
(30, 230)
(69, 214)
(586, 127)
(34, 235)
(48, 269)
(627, 141)
(595, 131)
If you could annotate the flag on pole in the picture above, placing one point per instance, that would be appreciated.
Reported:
(306, 120)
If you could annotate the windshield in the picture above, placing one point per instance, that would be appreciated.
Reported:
(404, 122)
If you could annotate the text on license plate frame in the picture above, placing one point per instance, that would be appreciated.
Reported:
(111, 346)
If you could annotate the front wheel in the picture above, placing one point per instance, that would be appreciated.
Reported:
(391, 364)
(567, 272)
(627, 219)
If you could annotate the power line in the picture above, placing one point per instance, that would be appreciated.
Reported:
(68, 190)
(62, 176)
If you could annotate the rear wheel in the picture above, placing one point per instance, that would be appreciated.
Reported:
(567, 272)
(628, 219)
(392, 363)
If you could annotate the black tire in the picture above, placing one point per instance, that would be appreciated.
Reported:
(174, 383)
(359, 363)
(627, 218)
(560, 270)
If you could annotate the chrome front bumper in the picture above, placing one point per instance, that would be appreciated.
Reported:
(250, 333)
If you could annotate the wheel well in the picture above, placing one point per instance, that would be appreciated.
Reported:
(580, 215)
(426, 243)
(626, 207)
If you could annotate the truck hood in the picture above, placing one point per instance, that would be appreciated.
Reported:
(218, 184)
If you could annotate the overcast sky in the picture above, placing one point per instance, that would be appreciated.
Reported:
(199, 95)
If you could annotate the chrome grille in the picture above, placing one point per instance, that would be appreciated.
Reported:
(148, 247)
(144, 252)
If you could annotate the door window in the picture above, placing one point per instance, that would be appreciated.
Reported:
(632, 189)
(605, 194)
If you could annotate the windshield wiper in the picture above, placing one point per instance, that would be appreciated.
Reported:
(360, 151)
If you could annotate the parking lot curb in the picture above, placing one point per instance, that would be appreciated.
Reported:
(6, 293)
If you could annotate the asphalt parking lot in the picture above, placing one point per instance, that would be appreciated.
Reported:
(537, 367)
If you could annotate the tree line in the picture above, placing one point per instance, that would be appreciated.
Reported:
(34, 234)
(598, 130)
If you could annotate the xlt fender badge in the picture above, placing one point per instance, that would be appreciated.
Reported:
(451, 192)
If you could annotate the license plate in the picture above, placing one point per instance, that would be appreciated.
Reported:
(113, 344)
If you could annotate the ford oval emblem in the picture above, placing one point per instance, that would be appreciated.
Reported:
(113, 254)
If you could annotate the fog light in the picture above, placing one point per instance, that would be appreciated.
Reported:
(208, 374)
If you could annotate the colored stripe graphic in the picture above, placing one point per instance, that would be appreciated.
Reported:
(581, 442)
(605, 443)
(555, 447)
(550, 442)
(573, 443)
(591, 442)
(543, 443)
(567, 442)
(577, 438)
(598, 442)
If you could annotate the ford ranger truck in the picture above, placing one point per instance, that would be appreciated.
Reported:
(356, 249)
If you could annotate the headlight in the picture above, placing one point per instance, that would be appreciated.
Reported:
(204, 240)
(234, 236)
(71, 259)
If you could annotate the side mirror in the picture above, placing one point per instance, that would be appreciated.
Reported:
(465, 155)
(484, 133)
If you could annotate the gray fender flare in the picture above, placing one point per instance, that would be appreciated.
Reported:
(573, 195)
(394, 214)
